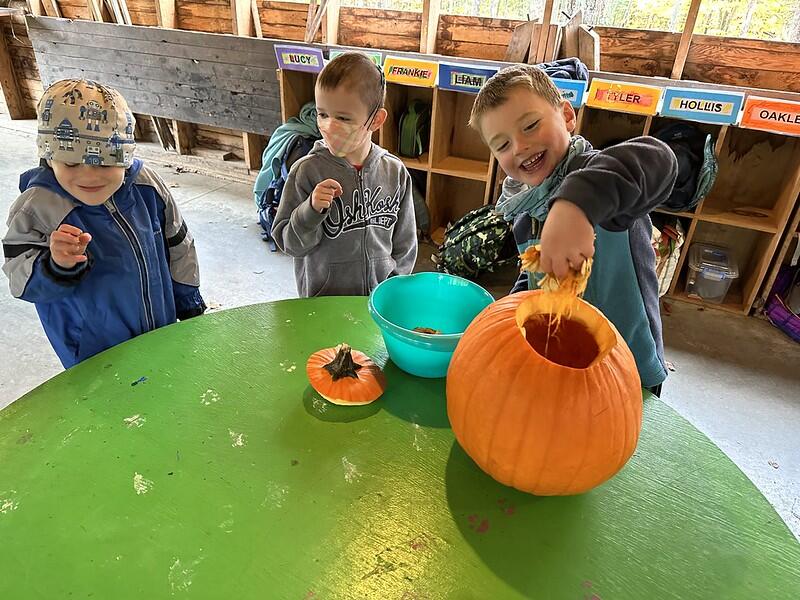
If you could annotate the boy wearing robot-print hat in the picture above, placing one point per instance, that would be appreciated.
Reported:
(96, 240)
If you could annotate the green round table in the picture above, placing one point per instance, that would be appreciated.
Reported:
(196, 462)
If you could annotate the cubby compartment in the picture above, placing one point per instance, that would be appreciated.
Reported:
(397, 99)
(757, 181)
(456, 148)
(450, 198)
(748, 247)
(605, 128)
(297, 88)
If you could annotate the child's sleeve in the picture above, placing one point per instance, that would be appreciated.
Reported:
(298, 227)
(404, 237)
(32, 274)
(184, 267)
(622, 183)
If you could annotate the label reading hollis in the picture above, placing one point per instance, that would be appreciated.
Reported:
(464, 78)
(299, 58)
(703, 106)
(571, 90)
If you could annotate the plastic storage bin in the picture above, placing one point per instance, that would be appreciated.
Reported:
(712, 269)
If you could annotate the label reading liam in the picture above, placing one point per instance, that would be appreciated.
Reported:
(299, 58)
(463, 78)
(408, 71)
(781, 116)
(624, 97)
(703, 106)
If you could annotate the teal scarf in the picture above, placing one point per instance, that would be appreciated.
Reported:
(536, 200)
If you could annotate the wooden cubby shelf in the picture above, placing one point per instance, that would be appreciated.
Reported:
(747, 210)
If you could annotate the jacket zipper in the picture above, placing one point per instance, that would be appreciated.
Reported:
(138, 251)
(366, 227)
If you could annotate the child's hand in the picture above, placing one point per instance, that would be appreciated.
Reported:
(567, 239)
(68, 246)
(324, 193)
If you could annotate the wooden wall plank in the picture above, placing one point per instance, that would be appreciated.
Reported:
(475, 37)
(389, 29)
(200, 94)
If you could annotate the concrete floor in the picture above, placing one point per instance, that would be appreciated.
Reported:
(752, 414)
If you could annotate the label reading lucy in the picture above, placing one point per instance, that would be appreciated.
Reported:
(704, 106)
(781, 116)
(624, 97)
(408, 71)
(463, 78)
(299, 58)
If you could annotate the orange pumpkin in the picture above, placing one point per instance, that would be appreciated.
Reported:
(550, 410)
(345, 376)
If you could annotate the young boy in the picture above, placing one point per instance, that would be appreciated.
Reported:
(96, 241)
(347, 210)
(580, 203)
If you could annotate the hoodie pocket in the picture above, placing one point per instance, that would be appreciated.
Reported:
(342, 279)
(380, 269)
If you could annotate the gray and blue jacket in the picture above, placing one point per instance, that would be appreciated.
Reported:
(142, 271)
(617, 188)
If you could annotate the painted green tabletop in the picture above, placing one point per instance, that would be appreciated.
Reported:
(195, 462)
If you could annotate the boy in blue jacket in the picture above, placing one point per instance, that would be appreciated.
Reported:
(96, 240)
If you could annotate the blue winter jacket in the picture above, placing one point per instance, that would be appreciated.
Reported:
(142, 271)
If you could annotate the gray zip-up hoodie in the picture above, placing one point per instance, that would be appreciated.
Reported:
(366, 236)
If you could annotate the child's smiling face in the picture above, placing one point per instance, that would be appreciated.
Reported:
(528, 135)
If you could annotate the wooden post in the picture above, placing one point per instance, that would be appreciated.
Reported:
(431, 9)
(242, 12)
(332, 23)
(312, 27)
(167, 14)
(544, 32)
(36, 8)
(184, 137)
(686, 40)
(51, 8)
(256, 18)
(8, 82)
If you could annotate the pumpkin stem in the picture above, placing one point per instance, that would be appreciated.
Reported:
(343, 365)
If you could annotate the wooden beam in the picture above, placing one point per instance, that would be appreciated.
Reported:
(8, 82)
(431, 9)
(126, 15)
(167, 14)
(332, 22)
(36, 7)
(242, 12)
(547, 19)
(51, 8)
(256, 18)
(313, 26)
(184, 137)
(312, 10)
(99, 11)
(686, 40)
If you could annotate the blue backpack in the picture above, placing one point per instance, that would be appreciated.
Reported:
(271, 197)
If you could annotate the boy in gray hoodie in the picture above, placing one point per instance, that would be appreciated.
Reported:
(347, 211)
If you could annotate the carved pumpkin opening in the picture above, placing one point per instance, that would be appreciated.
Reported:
(572, 337)
(568, 343)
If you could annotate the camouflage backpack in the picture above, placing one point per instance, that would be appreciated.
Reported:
(479, 242)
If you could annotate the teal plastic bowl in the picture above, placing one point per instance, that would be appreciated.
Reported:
(434, 300)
